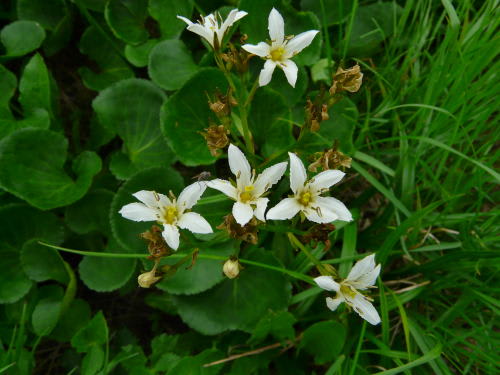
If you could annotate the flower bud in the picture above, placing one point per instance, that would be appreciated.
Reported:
(147, 279)
(231, 268)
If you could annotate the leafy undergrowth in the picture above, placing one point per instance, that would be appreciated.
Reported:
(99, 100)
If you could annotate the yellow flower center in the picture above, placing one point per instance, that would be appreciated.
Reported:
(305, 198)
(347, 291)
(170, 215)
(247, 195)
(277, 54)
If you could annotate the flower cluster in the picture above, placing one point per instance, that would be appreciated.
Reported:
(277, 53)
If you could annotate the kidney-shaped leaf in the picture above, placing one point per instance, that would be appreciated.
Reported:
(238, 303)
(324, 340)
(186, 113)
(126, 19)
(32, 168)
(21, 37)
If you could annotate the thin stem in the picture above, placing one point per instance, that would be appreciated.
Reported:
(294, 274)
(294, 241)
(327, 35)
(252, 92)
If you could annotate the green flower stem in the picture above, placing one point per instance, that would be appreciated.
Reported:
(252, 92)
(294, 274)
(324, 270)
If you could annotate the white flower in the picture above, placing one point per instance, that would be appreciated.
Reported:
(248, 190)
(208, 27)
(307, 196)
(281, 49)
(171, 213)
(362, 276)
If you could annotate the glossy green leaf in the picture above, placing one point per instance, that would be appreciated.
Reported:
(72, 320)
(324, 340)
(14, 284)
(126, 19)
(91, 213)
(41, 263)
(41, 154)
(171, 65)
(193, 365)
(336, 11)
(93, 361)
(126, 231)
(186, 113)
(112, 67)
(136, 119)
(292, 95)
(39, 118)
(238, 303)
(34, 87)
(165, 12)
(278, 324)
(48, 13)
(8, 84)
(106, 274)
(138, 55)
(45, 315)
(372, 24)
(92, 334)
(204, 274)
(21, 37)
(268, 121)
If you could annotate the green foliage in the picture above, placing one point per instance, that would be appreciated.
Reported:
(102, 99)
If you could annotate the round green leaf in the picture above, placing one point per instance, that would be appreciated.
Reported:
(91, 213)
(47, 13)
(39, 118)
(20, 223)
(267, 120)
(171, 65)
(32, 168)
(45, 315)
(139, 55)
(14, 284)
(112, 66)
(73, 319)
(126, 19)
(202, 276)
(238, 303)
(186, 113)
(22, 37)
(165, 13)
(160, 179)
(93, 333)
(41, 263)
(106, 274)
(131, 108)
(324, 340)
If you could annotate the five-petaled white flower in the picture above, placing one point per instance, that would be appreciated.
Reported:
(362, 276)
(307, 196)
(281, 49)
(172, 213)
(208, 27)
(248, 190)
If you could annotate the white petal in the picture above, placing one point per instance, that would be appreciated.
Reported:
(232, 17)
(185, 20)
(239, 165)
(276, 27)
(298, 173)
(261, 208)
(190, 195)
(171, 235)
(362, 266)
(139, 212)
(286, 209)
(268, 178)
(364, 308)
(242, 213)
(327, 283)
(336, 206)
(195, 223)
(290, 70)
(223, 186)
(333, 303)
(300, 42)
(262, 49)
(320, 214)
(367, 280)
(267, 72)
(324, 180)
(147, 197)
(203, 32)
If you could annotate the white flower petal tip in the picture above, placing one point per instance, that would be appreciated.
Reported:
(138, 212)
(209, 28)
(280, 50)
(327, 283)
